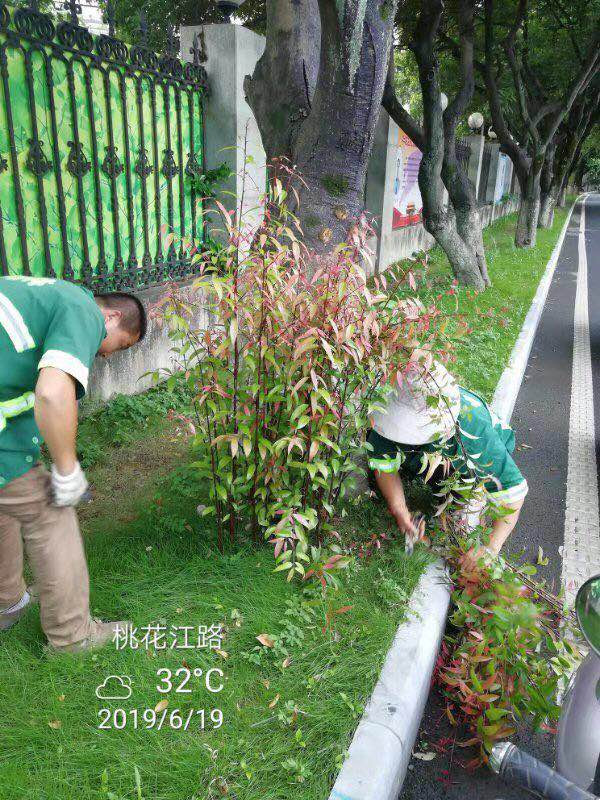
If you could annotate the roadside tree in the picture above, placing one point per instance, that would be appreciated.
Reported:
(538, 60)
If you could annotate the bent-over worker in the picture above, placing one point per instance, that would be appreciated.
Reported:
(50, 333)
(427, 413)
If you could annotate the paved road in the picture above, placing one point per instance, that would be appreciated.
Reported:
(542, 420)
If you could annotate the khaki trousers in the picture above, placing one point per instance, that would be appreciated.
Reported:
(55, 551)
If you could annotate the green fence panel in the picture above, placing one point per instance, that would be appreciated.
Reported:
(99, 146)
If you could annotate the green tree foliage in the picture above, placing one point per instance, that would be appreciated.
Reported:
(537, 59)
(160, 13)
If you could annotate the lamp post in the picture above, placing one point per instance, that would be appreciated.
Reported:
(475, 123)
(228, 8)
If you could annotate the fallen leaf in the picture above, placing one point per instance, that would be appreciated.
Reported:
(161, 705)
(61, 698)
(55, 724)
(286, 662)
(274, 701)
(265, 639)
(222, 653)
(425, 756)
(266, 683)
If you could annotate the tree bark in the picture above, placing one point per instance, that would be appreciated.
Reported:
(562, 196)
(281, 87)
(456, 229)
(333, 147)
(316, 94)
(547, 205)
(529, 210)
(547, 188)
(564, 152)
(460, 189)
(540, 122)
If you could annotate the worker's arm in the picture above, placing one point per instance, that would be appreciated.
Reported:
(391, 488)
(55, 412)
(502, 527)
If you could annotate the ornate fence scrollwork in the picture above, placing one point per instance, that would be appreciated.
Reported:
(99, 145)
(111, 166)
(36, 158)
(77, 163)
(169, 167)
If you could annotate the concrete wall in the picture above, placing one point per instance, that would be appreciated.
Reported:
(124, 373)
(390, 245)
(231, 134)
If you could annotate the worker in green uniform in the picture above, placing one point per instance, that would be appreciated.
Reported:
(50, 333)
(429, 413)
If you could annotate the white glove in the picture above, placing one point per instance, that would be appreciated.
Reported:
(68, 490)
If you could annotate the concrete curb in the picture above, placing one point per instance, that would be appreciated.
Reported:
(511, 379)
(382, 745)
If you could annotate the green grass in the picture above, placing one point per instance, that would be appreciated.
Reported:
(127, 419)
(153, 559)
(496, 315)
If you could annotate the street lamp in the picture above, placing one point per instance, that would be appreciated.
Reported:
(228, 8)
(475, 121)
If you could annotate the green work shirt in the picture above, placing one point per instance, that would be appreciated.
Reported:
(43, 323)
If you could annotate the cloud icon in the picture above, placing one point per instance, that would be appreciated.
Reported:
(114, 687)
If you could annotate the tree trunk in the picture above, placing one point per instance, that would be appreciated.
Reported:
(443, 226)
(334, 145)
(562, 196)
(547, 188)
(468, 223)
(439, 160)
(466, 210)
(316, 94)
(281, 87)
(529, 209)
(547, 204)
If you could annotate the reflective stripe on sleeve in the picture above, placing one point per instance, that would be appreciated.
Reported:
(387, 464)
(14, 325)
(511, 495)
(15, 406)
(67, 363)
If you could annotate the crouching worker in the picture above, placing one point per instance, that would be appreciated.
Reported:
(50, 332)
(430, 413)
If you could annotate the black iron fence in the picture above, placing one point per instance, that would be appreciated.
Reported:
(100, 143)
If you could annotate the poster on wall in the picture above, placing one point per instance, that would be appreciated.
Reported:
(407, 197)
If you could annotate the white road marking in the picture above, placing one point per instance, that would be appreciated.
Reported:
(581, 550)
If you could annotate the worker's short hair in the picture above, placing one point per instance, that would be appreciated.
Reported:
(133, 318)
